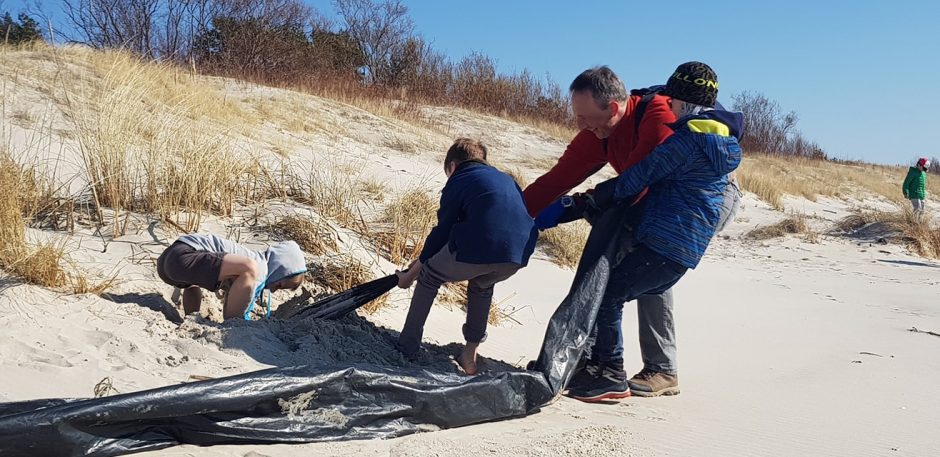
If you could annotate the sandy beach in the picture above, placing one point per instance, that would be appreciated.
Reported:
(787, 346)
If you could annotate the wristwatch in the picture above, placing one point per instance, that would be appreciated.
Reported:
(567, 201)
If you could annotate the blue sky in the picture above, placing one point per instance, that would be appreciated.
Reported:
(862, 75)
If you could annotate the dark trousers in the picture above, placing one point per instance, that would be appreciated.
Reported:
(444, 267)
(641, 272)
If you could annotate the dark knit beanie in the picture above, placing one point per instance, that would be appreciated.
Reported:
(693, 82)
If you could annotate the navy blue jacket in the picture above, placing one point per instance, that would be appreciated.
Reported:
(686, 176)
(483, 218)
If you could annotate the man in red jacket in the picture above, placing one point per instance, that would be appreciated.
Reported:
(617, 129)
(610, 133)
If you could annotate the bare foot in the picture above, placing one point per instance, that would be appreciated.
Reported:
(470, 368)
(468, 358)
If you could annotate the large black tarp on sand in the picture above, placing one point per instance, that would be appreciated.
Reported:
(306, 404)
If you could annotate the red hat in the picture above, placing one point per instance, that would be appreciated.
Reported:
(923, 162)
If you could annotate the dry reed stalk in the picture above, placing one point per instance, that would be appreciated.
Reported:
(796, 223)
(915, 228)
(145, 146)
(772, 177)
(315, 238)
(454, 293)
(565, 243)
(329, 191)
(374, 188)
(37, 263)
(405, 224)
(517, 175)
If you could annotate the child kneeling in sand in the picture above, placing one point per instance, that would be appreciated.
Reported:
(196, 262)
(484, 235)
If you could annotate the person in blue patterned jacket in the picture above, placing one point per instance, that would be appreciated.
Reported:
(686, 177)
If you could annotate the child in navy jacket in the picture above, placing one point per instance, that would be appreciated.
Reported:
(484, 234)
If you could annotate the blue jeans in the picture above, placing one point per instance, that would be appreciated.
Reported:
(641, 272)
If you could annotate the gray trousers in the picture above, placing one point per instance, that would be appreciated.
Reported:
(729, 206)
(444, 267)
(918, 204)
(657, 330)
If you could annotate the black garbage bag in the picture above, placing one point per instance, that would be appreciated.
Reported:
(308, 404)
(343, 303)
(280, 405)
(569, 329)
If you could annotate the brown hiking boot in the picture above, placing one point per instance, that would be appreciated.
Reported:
(649, 383)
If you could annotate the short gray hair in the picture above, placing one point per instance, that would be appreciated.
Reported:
(602, 83)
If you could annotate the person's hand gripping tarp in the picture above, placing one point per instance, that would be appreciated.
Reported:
(585, 205)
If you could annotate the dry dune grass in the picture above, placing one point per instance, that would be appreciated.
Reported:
(455, 293)
(340, 272)
(329, 190)
(564, 133)
(43, 263)
(517, 175)
(924, 238)
(405, 224)
(411, 113)
(542, 163)
(401, 144)
(82, 284)
(151, 140)
(151, 137)
(916, 229)
(862, 218)
(796, 223)
(374, 188)
(393, 115)
(770, 178)
(764, 185)
(38, 264)
(565, 243)
(294, 114)
(314, 237)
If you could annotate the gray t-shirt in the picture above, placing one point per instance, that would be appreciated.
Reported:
(211, 243)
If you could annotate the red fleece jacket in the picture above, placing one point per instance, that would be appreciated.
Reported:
(587, 154)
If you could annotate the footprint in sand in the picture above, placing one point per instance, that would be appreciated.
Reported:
(27, 355)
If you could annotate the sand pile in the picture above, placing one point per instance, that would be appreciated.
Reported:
(342, 342)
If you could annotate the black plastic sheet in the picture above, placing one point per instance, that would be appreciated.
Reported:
(308, 404)
(343, 303)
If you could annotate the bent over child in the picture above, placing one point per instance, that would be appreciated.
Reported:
(205, 261)
(484, 234)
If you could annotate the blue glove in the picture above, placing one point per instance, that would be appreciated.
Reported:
(549, 216)
(565, 209)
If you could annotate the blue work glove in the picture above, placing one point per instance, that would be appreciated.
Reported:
(565, 209)
(549, 216)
